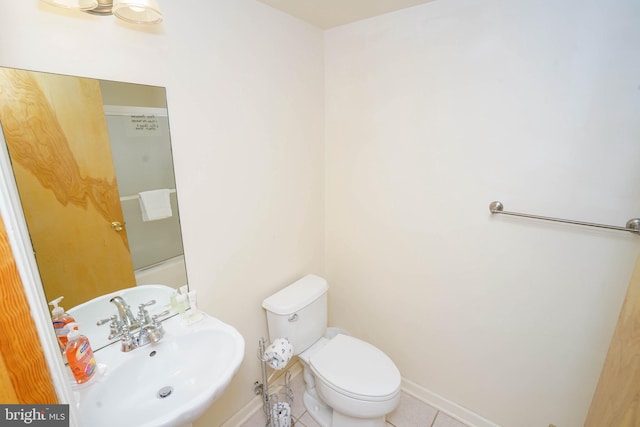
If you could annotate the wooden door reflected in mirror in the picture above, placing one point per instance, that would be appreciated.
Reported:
(57, 139)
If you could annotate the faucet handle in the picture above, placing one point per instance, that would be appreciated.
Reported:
(114, 327)
(146, 304)
(143, 314)
(107, 320)
(164, 313)
(157, 324)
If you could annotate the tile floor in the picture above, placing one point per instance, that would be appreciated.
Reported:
(411, 412)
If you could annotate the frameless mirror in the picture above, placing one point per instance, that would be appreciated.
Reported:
(94, 170)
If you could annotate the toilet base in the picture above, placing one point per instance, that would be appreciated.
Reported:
(327, 417)
(318, 410)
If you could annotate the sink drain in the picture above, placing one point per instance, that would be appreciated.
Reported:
(165, 392)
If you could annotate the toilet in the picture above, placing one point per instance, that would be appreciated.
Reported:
(349, 382)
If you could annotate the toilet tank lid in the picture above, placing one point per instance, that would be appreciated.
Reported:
(297, 295)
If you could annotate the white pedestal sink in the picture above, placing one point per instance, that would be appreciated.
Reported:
(170, 383)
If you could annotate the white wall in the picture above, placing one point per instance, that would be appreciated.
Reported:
(245, 98)
(432, 113)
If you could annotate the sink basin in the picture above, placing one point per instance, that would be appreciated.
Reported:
(170, 383)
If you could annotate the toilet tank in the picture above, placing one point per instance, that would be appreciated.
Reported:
(298, 312)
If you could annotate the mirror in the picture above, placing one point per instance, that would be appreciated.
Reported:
(88, 156)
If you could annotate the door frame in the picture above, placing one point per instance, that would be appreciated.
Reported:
(616, 398)
(16, 227)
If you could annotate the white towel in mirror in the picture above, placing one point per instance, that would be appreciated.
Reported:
(155, 204)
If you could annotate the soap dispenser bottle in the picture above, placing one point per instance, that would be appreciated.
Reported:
(60, 322)
(79, 355)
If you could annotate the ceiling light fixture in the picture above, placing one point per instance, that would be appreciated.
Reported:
(132, 11)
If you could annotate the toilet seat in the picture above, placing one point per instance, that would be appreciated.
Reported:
(356, 369)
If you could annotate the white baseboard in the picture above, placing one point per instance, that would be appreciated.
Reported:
(452, 409)
(246, 412)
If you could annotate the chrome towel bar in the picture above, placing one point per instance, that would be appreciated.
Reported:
(632, 226)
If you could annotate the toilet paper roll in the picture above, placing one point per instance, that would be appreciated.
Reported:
(281, 414)
(278, 354)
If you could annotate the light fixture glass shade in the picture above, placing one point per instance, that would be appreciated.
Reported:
(74, 4)
(137, 11)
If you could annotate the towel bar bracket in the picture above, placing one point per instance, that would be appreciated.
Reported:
(632, 226)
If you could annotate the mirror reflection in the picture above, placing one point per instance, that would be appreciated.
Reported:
(93, 166)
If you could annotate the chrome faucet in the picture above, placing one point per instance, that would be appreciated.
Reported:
(124, 327)
(126, 316)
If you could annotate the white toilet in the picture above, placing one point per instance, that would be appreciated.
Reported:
(350, 383)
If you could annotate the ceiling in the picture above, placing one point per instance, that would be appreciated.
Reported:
(331, 13)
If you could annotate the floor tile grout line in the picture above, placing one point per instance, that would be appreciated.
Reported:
(433, 423)
(297, 420)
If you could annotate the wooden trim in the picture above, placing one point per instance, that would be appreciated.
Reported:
(616, 401)
(24, 376)
(7, 393)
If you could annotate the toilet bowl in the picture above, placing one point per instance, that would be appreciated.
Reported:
(349, 382)
(354, 378)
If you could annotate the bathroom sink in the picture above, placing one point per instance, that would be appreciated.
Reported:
(170, 383)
